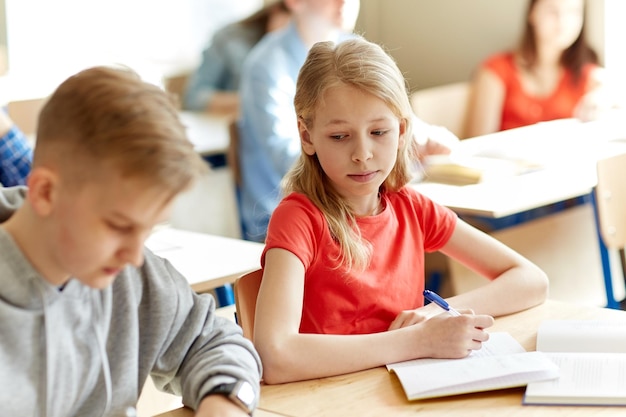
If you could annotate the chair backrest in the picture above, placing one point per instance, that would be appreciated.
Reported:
(443, 105)
(232, 153)
(25, 113)
(246, 289)
(176, 84)
(611, 200)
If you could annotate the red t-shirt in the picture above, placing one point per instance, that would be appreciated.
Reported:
(522, 109)
(340, 302)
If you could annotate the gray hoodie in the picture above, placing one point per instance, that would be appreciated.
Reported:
(86, 352)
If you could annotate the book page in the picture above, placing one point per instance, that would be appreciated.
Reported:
(479, 374)
(585, 378)
(582, 336)
(501, 363)
(499, 343)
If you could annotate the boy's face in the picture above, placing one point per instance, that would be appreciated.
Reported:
(98, 228)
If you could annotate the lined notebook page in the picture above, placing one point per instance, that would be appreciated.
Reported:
(499, 343)
(480, 374)
(501, 363)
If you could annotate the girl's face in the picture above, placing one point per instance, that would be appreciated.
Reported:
(356, 137)
(557, 22)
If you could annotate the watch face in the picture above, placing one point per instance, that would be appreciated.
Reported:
(246, 394)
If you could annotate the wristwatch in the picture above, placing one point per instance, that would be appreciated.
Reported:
(239, 392)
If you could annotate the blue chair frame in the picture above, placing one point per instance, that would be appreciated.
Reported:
(609, 200)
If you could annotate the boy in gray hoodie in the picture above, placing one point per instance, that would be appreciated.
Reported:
(86, 312)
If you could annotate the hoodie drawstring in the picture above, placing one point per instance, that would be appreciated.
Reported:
(44, 379)
(104, 358)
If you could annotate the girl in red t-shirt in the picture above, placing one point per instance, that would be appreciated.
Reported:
(344, 258)
(553, 74)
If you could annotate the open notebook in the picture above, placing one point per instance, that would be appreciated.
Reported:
(501, 363)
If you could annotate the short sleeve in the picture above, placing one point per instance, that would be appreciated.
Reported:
(296, 225)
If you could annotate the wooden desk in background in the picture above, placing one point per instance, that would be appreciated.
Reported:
(207, 261)
(567, 149)
(564, 244)
(209, 133)
(376, 392)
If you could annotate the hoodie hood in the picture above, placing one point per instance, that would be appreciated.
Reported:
(58, 329)
(11, 199)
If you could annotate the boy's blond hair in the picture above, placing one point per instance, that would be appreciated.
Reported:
(105, 120)
(369, 68)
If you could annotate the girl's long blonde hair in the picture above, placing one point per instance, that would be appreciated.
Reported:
(369, 68)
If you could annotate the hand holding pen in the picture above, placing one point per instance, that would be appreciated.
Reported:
(435, 298)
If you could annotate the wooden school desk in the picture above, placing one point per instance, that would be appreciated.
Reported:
(207, 261)
(376, 392)
(187, 412)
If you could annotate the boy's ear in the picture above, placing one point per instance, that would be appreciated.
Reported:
(305, 138)
(42, 188)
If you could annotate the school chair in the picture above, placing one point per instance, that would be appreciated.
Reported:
(232, 160)
(443, 105)
(25, 114)
(232, 153)
(246, 290)
(225, 294)
(176, 84)
(609, 203)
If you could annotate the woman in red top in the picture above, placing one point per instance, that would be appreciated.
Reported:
(343, 265)
(554, 73)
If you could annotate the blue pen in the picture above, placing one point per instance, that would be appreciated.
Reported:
(435, 298)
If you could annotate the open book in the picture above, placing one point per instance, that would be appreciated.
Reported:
(591, 355)
(501, 363)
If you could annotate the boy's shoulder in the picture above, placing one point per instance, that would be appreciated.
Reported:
(11, 198)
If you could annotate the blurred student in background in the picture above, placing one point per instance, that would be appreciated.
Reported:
(268, 127)
(213, 86)
(16, 154)
(268, 131)
(553, 74)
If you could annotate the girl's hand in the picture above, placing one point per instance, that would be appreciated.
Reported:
(593, 106)
(454, 336)
(410, 317)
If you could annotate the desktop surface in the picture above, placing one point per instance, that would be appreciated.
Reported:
(567, 151)
(207, 261)
(377, 392)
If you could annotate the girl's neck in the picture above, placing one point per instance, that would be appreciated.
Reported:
(548, 58)
(542, 78)
(370, 208)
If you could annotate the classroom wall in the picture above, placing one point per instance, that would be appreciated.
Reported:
(441, 41)
(3, 39)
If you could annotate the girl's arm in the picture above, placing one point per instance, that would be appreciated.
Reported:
(288, 355)
(484, 110)
(517, 283)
